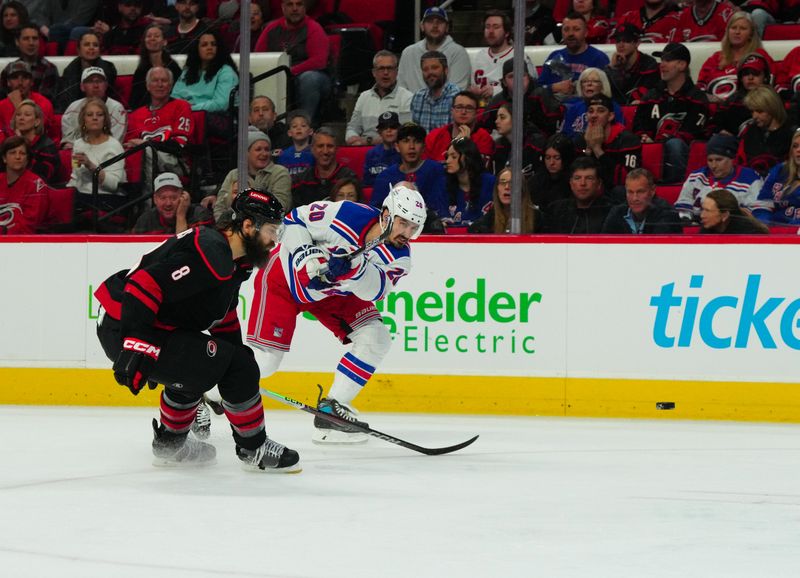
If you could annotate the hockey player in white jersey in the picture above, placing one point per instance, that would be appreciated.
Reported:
(318, 268)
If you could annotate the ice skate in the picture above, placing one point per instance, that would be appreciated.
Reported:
(171, 449)
(326, 432)
(201, 426)
(270, 457)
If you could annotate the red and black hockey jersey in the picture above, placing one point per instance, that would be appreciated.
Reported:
(661, 115)
(189, 281)
(171, 121)
(709, 28)
(659, 28)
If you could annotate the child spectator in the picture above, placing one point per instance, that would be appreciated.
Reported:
(385, 153)
(23, 195)
(297, 158)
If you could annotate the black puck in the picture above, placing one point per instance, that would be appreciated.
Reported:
(665, 405)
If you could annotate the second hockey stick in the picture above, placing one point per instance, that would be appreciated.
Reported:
(367, 430)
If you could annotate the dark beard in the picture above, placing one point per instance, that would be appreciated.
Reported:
(255, 250)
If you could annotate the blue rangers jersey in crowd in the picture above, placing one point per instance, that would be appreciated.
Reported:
(743, 182)
(778, 202)
(296, 161)
(313, 232)
(377, 160)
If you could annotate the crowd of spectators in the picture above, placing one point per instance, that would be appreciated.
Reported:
(433, 117)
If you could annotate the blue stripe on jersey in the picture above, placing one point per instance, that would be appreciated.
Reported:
(358, 362)
(382, 287)
(339, 230)
(292, 219)
(359, 218)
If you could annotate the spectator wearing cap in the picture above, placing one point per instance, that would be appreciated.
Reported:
(656, 19)
(173, 211)
(430, 106)
(427, 175)
(384, 96)
(383, 154)
(19, 87)
(643, 212)
(631, 72)
(316, 182)
(306, 43)
(43, 72)
(703, 21)
(618, 151)
(766, 140)
(732, 115)
(89, 55)
(93, 85)
(463, 115)
(720, 172)
(125, 37)
(541, 109)
(435, 37)
(563, 67)
(673, 113)
(262, 174)
(487, 65)
(264, 118)
(718, 74)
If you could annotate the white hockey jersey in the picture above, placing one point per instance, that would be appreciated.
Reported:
(487, 68)
(322, 228)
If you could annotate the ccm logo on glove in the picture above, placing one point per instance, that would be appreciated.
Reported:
(141, 347)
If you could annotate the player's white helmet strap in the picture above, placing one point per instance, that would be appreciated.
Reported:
(407, 203)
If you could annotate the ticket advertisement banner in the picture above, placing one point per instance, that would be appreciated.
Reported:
(718, 312)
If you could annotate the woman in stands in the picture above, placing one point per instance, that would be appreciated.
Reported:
(532, 145)
(753, 71)
(718, 75)
(88, 55)
(347, 189)
(152, 52)
(592, 81)
(95, 146)
(498, 219)
(766, 140)
(23, 195)
(597, 24)
(28, 122)
(468, 186)
(721, 214)
(779, 199)
(208, 78)
(12, 15)
(552, 183)
(259, 16)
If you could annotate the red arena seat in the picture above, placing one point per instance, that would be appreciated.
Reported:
(697, 156)
(353, 158)
(669, 192)
(653, 158)
(782, 32)
(124, 86)
(60, 207)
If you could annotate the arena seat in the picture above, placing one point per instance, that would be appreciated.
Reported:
(353, 158)
(783, 229)
(65, 156)
(71, 49)
(124, 86)
(60, 209)
(652, 158)
(367, 194)
(782, 32)
(50, 48)
(697, 156)
(669, 192)
(628, 112)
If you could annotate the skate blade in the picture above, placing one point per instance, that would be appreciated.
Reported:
(335, 437)
(295, 469)
(166, 463)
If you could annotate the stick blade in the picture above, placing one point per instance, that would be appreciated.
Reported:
(448, 449)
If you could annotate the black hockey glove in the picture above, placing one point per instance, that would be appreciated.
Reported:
(134, 364)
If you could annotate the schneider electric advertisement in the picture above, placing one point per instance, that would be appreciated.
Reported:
(727, 312)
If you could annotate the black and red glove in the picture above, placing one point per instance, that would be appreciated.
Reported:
(135, 363)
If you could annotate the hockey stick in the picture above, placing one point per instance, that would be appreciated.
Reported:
(367, 430)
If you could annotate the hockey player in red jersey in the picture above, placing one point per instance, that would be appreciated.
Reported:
(318, 268)
(152, 327)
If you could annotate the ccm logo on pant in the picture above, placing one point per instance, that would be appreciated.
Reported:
(141, 347)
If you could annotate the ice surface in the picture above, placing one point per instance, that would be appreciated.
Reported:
(533, 497)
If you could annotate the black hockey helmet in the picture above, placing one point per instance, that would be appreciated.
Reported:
(261, 206)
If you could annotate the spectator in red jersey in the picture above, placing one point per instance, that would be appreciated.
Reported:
(306, 43)
(88, 56)
(28, 122)
(463, 113)
(152, 52)
(631, 73)
(13, 14)
(657, 20)
(703, 21)
(787, 80)
(173, 211)
(125, 37)
(23, 195)
(732, 115)
(43, 72)
(166, 120)
(596, 21)
(20, 88)
(718, 75)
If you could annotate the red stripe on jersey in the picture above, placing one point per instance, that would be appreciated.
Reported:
(144, 280)
(362, 239)
(113, 308)
(355, 369)
(205, 259)
(146, 300)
